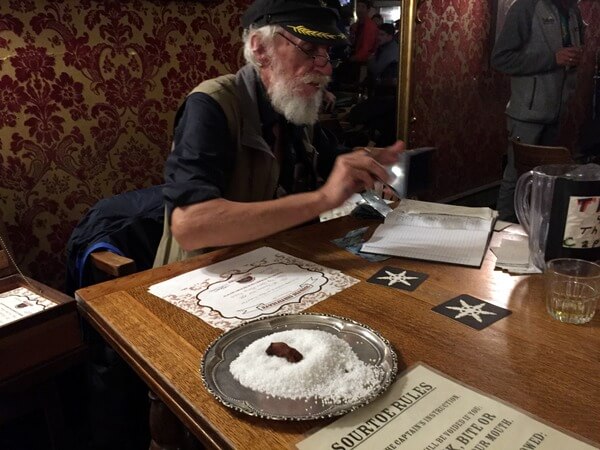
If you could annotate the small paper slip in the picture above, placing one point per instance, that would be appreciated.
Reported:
(345, 209)
(434, 232)
(21, 302)
(353, 242)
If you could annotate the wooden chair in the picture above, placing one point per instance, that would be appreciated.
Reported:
(112, 264)
(132, 224)
(117, 236)
(528, 156)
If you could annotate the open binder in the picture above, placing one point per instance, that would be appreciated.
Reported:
(434, 232)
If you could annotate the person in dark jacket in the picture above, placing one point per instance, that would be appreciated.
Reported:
(540, 47)
(384, 64)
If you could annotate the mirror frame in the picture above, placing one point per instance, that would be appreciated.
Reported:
(408, 21)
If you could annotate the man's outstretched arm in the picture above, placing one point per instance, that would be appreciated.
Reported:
(220, 222)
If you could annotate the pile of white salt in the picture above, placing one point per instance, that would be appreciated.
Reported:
(329, 370)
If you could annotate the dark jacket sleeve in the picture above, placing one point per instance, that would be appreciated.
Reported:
(199, 167)
(509, 55)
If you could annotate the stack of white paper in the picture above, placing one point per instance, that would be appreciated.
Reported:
(435, 232)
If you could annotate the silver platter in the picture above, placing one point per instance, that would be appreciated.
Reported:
(368, 345)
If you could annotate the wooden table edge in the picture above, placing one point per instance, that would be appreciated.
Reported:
(209, 437)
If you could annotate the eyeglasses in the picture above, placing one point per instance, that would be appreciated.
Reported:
(318, 60)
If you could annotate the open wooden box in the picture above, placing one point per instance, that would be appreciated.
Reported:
(40, 345)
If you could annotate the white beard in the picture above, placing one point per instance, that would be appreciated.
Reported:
(297, 109)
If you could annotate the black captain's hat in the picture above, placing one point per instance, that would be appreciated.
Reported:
(310, 20)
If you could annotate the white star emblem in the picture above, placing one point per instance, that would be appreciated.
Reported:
(394, 278)
(470, 310)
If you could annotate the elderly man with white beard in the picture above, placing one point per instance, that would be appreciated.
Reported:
(248, 157)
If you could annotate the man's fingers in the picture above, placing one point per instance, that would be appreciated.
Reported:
(367, 163)
(364, 162)
(389, 155)
(362, 167)
(382, 152)
(361, 180)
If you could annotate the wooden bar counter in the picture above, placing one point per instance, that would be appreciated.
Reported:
(527, 359)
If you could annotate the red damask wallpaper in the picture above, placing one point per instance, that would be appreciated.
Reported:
(581, 106)
(88, 92)
(459, 100)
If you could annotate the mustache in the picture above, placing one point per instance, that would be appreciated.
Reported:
(321, 80)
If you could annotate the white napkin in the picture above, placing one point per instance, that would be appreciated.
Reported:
(513, 255)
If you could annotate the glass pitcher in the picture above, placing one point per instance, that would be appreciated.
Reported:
(536, 201)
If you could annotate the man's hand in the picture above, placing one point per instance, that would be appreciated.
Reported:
(357, 171)
(569, 56)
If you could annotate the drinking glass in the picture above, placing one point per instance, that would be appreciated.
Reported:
(572, 289)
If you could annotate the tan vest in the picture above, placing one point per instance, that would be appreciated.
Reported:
(256, 171)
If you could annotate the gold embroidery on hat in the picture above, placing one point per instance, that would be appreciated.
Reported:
(301, 29)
